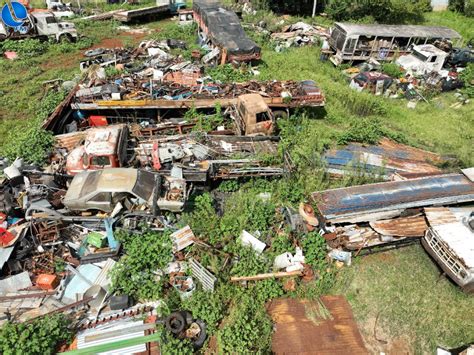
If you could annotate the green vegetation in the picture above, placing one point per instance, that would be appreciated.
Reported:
(137, 274)
(228, 74)
(400, 288)
(247, 330)
(32, 143)
(465, 7)
(467, 77)
(392, 69)
(383, 11)
(412, 301)
(41, 336)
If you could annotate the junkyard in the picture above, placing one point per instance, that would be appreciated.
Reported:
(237, 177)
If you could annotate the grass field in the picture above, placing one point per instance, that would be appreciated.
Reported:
(413, 304)
(413, 308)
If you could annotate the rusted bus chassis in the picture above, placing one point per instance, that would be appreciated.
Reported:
(358, 42)
(221, 28)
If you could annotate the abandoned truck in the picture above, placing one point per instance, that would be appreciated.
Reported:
(423, 60)
(450, 241)
(82, 105)
(201, 158)
(40, 25)
(220, 30)
(357, 42)
(102, 190)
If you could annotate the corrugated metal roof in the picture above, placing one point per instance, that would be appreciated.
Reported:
(387, 156)
(439, 215)
(301, 328)
(414, 226)
(359, 202)
(398, 30)
(69, 140)
(81, 337)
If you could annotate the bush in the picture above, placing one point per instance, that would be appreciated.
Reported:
(370, 131)
(248, 329)
(136, 274)
(25, 48)
(467, 76)
(465, 7)
(32, 143)
(228, 74)
(206, 306)
(392, 70)
(41, 336)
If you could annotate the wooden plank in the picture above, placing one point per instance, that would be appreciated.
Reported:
(271, 275)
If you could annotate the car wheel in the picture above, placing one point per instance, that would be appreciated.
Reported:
(175, 322)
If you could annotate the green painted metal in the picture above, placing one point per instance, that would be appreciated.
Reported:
(116, 345)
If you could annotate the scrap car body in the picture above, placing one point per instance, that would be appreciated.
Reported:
(102, 190)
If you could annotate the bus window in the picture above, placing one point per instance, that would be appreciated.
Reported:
(350, 45)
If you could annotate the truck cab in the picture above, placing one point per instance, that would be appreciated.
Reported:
(423, 60)
(47, 25)
(174, 5)
(41, 24)
(103, 147)
(252, 116)
(450, 241)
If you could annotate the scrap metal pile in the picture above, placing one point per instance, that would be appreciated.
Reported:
(59, 246)
(395, 213)
(149, 72)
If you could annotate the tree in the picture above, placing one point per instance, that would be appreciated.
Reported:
(465, 7)
(383, 11)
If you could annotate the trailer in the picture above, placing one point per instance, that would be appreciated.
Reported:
(282, 97)
(352, 42)
(220, 30)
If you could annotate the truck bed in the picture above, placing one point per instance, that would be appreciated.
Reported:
(130, 15)
(272, 102)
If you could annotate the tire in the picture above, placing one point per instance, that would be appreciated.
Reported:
(188, 317)
(201, 338)
(280, 114)
(175, 323)
(64, 39)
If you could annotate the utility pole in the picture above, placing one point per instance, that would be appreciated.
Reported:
(315, 3)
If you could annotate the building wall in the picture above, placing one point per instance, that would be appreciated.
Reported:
(439, 5)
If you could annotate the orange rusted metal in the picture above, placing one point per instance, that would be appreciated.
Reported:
(307, 327)
(414, 226)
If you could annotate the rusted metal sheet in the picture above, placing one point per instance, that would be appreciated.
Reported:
(377, 201)
(182, 78)
(386, 158)
(69, 141)
(439, 215)
(307, 327)
(414, 226)
(469, 173)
